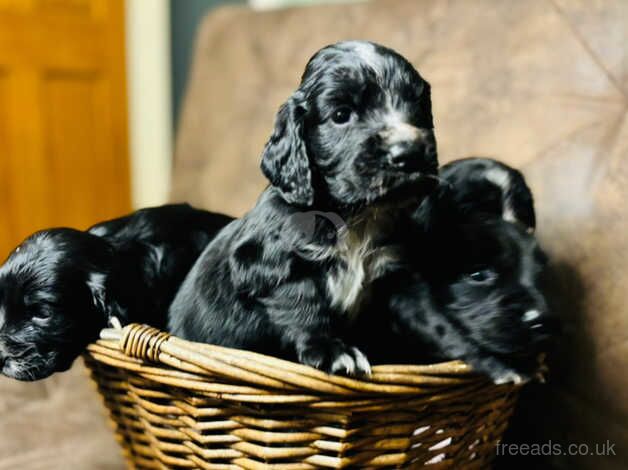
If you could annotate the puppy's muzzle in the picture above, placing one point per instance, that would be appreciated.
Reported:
(409, 148)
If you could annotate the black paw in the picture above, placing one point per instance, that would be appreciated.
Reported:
(333, 356)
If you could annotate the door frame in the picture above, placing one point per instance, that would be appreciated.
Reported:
(149, 100)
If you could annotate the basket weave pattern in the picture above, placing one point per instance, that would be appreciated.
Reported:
(178, 404)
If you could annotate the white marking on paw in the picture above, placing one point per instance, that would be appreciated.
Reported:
(345, 363)
(508, 377)
(362, 362)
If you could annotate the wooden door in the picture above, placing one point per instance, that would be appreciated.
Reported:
(63, 128)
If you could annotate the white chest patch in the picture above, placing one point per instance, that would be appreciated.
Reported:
(361, 262)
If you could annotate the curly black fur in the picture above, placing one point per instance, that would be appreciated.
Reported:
(354, 143)
(471, 288)
(60, 286)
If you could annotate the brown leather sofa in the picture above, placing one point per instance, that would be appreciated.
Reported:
(541, 84)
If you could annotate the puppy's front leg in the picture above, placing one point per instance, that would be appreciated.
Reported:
(331, 355)
(451, 344)
(413, 313)
(290, 293)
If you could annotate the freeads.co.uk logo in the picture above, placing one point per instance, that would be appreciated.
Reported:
(311, 230)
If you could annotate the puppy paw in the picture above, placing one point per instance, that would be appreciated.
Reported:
(509, 377)
(352, 362)
(333, 356)
(499, 372)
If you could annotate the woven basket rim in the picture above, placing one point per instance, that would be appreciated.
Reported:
(249, 376)
(185, 404)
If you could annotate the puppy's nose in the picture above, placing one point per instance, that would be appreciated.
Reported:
(407, 154)
(408, 148)
(541, 323)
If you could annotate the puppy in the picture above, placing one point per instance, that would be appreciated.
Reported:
(471, 290)
(477, 299)
(352, 145)
(155, 248)
(61, 286)
(484, 185)
(51, 301)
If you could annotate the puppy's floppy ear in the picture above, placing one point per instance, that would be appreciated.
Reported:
(522, 201)
(488, 187)
(11, 296)
(284, 160)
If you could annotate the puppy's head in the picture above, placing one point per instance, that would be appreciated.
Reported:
(485, 277)
(358, 130)
(484, 185)
(51, 301)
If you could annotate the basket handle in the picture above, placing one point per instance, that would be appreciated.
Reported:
(138, 341)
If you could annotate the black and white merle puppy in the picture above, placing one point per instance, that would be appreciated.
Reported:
(351, 146)
(61, 286)
(472, 289)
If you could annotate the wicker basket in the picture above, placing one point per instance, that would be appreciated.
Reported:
(178, 404)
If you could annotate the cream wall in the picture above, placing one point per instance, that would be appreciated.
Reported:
(150, 113)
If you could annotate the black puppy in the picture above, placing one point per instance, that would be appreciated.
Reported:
(483, 185)
(61, 286)
(477, 299)
(470, 289)
(351, 145)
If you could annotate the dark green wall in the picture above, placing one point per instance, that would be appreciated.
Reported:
(185, 16)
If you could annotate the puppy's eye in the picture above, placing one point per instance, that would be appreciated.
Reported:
(484, 276)
(341, 115)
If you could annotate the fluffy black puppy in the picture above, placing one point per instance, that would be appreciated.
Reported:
(484, 185)
(479, 300)
(60, 286)
(51, 301)
(351, 145)
(471, 290)
(155, 249)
